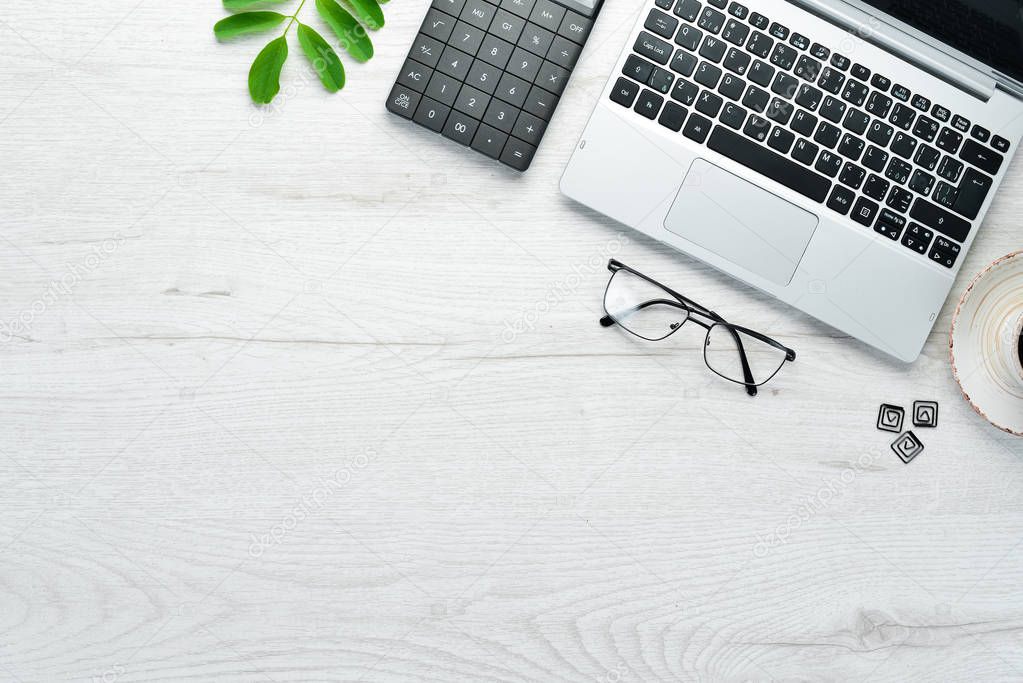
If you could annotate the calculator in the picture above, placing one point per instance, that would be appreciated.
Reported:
(488, 74)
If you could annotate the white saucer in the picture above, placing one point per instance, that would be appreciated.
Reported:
(978, 343)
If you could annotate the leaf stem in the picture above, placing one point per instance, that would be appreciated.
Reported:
(294, 17)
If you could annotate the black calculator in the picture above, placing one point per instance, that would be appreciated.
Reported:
(488, 74)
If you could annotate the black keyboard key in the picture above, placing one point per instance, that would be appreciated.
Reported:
(454, 63)
(732, 87)
(889, 224)
(899, 170)
(713, 49)
(785, 85)
(501, 116)
(483, 76)
(831, 80)
(735, 32)
(855, 92)
(841, 199)
(972, 193)
(759, 21)
(689, 37)
(711, 20)
(804, 123)
(547, 14)
(799, 41)
(709, 104)
(766, 162)
(864, 211)
(926, 128)
(851, 147)
(756, 99)
(949, 140)
(540, 103)
(637, 68)
(945, 194)
(529, 128)
(664, 4)
(489, 141)
(672, 116)
(513, 90)
(452, 7)
(901, 93)
(403, 101)
(737, 61)
(733, 116)
(781, 140)
(922, 103)
(982, 157)
(780, 111)
(927, 157)
(941, 113)
(757, 128)
(563, 52)
(840, 62)
(520, 8)
(903, 116)
(921, 182)
(414, 75)
(684, 62)
(880, 133)
(660, 23)
(876, 187)
(708, 75)
(685, 92)
(917, 238)
(624, 92)
(661, 80)
(950, 169)
(833, 109)
(652, 47)
(551, 77)
(478, 13)
(945, 258)
(904, 145)
(443, 88)
(778, 31)
(460, 128)
(828, 135)
(761, 73)
(880, 82)
(720, 4)
(879, 105)
(760, 44)
(808, 68)
(805, 151)
(737, 10)
(900, 199)
(980, 133)
(648, 104)
(783, 56)
(861, 72)
(507, 26)
(856, 121)
(960, 124)
(1001, 144)
(697, 128)
(829, 164)
(875, 159)
(852, 175)
(809, 97)
(940, 220)
(687, 9)
(819, 51)
(431, 114)
(472, 102)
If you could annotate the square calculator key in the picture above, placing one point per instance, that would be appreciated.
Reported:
(488, 74)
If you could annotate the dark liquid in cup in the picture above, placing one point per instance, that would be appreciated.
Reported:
(1019, 349)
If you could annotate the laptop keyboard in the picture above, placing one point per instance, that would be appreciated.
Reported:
(789, 108)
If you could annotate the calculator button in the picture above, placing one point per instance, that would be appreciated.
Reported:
(467, 38)
(478, 13)
(431, 114)
(472, 102)
(483, 76)
(426, 50)
(489, 141)
(564, 52)
(520, 7)
(541, 103)
(454, 63)
(452, 7)
(414, 75)
(507, 26)
(517, 154)
(460, 128)
(500, 115)
(529, 128)
(438, 25)
(575, 27)
(551, 77)
(403, 101)
(495, 51)
(547, 14)
(443, 88)
(536, 39)
(524, 64)
(513, 90)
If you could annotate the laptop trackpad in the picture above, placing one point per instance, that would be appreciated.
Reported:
(741, 222)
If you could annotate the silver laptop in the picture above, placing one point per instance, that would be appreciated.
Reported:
(837, 154)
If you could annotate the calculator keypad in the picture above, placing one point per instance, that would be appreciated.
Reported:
(488, 74)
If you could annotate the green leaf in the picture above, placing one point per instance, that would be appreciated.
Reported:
(265, 74)
(368, 11)
(322, 57)
(236, 5)
(350, 32)
(246, 23)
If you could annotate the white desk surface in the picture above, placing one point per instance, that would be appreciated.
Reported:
(272, 426)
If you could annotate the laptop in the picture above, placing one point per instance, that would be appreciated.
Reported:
(839, 155)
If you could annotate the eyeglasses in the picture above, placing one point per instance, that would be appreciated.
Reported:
(651, 311)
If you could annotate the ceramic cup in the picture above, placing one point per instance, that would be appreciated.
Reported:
(1011, 347)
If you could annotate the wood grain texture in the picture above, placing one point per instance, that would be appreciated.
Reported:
(308, 394)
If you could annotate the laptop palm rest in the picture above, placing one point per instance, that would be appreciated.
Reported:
(741, 222)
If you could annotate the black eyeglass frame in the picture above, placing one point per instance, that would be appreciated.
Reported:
(690, 307)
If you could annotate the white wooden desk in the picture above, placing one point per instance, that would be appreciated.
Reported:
(312, 394)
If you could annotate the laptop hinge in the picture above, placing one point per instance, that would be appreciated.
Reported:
(904, 41)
